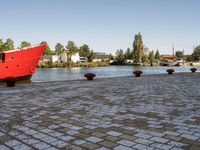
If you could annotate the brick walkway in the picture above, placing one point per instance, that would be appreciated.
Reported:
(151, 112)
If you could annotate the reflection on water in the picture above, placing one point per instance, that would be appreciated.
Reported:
(56, 74)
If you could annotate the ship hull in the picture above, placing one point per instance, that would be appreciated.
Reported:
(21, 63)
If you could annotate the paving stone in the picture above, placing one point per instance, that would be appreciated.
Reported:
(108, 144)
(31, 141)
(162, 146)
(59, 144)
(12, 143)
(22, 136)
(41, 145)
(158, 139)
(102, 148)
(66, 138)
(51, 148)
(3, 147)
(126, 143)
(1, 133)
(49, 139)
(72, 132)
(93, 139)
(176, 144)
(172, 133)
(143, 141)
(56, 134)
(79, 142)
(143, 135)
(22, 147)
(53, 126)
(122, 147)
(190, 137)
(114, 133)
(90, 146)
(31, 132)
(142, 147)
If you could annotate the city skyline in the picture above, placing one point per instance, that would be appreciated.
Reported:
(105, 25)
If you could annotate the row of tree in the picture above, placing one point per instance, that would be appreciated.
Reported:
(140, 54)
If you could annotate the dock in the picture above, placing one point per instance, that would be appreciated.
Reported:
(122, 113)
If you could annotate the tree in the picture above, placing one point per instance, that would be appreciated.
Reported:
(157, 55)
(138, 48)
(47, 51)
(128, 54)
(91, 56)
(120, 56)
(8, 45)
(1, 45)
(59, 48)
(179, 54)
(111, 57)
(71, 49)
(196, 53)
(84, 51)
(25, 44)
(151, 57)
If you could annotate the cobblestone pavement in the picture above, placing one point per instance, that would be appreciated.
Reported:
(150, 112)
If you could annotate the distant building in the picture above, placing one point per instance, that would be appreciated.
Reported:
(99, 56)
(75, 58)
(167, 57)
(128, 61)
(60, 58)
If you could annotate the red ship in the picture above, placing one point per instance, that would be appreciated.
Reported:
(20, 63)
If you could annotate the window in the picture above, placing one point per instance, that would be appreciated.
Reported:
(2, 57)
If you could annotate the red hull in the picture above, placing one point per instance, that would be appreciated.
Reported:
(20, 63)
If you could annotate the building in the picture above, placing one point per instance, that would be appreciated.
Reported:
(167, 57)
(99, 56)
(60, 58)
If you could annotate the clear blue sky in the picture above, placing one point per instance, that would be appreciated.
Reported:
(105, 25)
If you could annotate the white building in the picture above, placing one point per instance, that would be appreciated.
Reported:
(61, 58)
(55, 58)
(75, 58)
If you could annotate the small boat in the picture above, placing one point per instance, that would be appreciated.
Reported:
(20, 63)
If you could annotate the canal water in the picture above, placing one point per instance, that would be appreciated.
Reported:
(58, 74)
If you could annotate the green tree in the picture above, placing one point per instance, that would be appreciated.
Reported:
(8, 45)
(91, 56)
(151, 57)
(47, 51)
(138, 48)
(71, 49)
(179, 54)
(25, 44)
(111, 57)
(157, 55)
(128, 54)
(120, 56)
(1, 45)
(59, 48)
(84, 51)
(196, 53)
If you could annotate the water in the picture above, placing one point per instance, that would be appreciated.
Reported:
(57, 74)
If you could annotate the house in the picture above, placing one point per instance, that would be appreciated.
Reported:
(129, 61)
(167, 57)
(75, 58)
(99, 56)
(60, 58)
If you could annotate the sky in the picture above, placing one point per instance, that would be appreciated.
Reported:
(105, 25)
